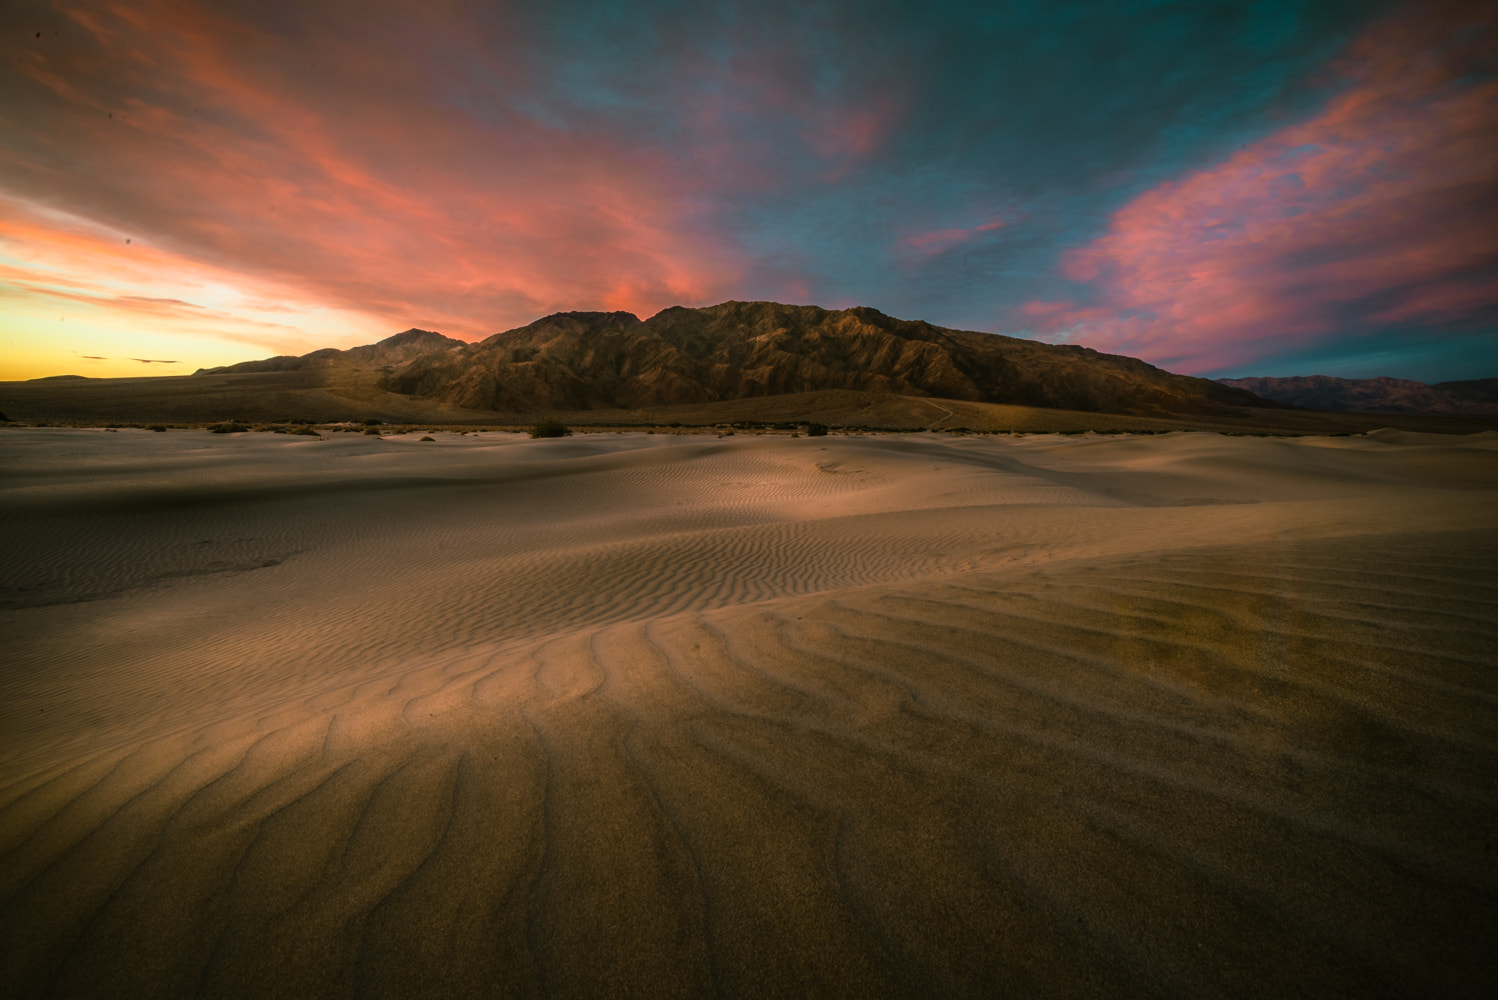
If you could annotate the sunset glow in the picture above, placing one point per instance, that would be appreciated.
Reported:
(201, 183)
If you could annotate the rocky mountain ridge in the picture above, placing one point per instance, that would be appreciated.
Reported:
(1474, 397)
(737, 350)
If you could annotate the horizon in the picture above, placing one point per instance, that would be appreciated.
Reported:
(414, 329)
(1255, 190)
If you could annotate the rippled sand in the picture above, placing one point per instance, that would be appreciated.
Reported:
(651, 715)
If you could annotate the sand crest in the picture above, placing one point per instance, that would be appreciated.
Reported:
(651, 715)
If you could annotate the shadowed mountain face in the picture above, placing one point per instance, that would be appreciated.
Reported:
(1477, 397)
(739, 350)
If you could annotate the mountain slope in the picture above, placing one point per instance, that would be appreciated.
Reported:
(398, 349)
(738, 350)
(1477, 397)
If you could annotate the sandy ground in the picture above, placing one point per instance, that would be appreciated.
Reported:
(334, 395)
(649, 715)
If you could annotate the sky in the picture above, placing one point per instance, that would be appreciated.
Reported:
(1279, 187)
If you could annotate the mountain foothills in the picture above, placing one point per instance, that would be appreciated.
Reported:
(1475, 397)
(739, 350)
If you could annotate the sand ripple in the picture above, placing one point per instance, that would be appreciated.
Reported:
(753, 718)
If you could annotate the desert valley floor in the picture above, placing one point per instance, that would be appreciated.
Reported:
(654, 715)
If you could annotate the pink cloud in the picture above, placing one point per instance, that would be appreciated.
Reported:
(856, 131)
(766, 117)
(941, 240)
(401, 168)
(1378, 210)
(343, 180)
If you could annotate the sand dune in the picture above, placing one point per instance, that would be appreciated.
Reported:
(653, 715)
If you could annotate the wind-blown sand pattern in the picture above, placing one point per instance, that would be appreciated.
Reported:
(645, 715)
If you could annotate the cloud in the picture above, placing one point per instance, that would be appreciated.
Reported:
(154, 301)
(939, 241)
(1375, 212)
(352, 162)
(54, 265)
(317, 174)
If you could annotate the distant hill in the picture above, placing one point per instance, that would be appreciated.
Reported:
(1477, 397)
(394, 350)
(739, 350)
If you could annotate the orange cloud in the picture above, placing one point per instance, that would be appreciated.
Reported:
(343, 185)
(68, 286)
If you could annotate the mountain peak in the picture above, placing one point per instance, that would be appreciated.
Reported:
(581, 360)
(416, 336)
(617, 318)
(736, 350)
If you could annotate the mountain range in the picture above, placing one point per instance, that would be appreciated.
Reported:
(1475, 397)
(739, 350)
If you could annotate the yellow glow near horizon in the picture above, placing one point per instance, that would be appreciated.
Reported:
(80, 299)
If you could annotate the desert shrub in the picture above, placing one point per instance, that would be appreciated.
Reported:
(550, 429)
(429, 438)
(158, 428)
(372, 430)
(816, 430)
(227, 427)
(305, 431)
